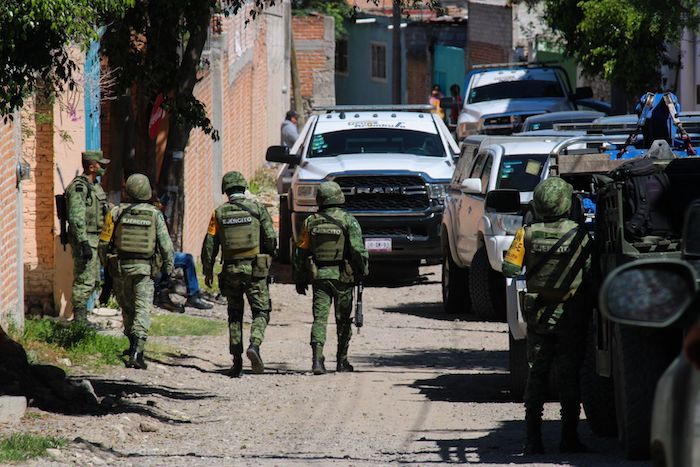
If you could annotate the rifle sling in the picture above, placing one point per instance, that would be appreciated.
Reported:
(337, 223)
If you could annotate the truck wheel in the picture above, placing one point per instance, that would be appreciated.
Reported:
(517, 364)
(487, 288)
(285, 233)
(455, 286)
(597, 392)
(640, 356)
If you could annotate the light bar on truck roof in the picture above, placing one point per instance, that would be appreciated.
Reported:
(375, 108)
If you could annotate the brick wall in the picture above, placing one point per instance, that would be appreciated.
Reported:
(314, 41)
(9, 243)
(490, 32)
(418, 80)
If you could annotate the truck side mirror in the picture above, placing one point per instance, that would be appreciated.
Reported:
(583, 93)
(650, 293)
(281, 154)
(471, 185)
(502, 201)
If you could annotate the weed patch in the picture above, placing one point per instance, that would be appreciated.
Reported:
(264, 179)
(179, 325)
(23, 446)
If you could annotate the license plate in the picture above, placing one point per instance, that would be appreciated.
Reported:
(382, 245)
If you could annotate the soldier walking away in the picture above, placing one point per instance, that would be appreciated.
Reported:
(556, 254)
(135, 247)
(243, 229)
(87, 206)
(332, 257)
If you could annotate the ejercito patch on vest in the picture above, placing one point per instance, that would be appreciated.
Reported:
(237, 220)
(132, 221)
(326, 231)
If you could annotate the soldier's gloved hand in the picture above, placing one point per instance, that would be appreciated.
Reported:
(208, 280)
(85, 251)
(301, 289)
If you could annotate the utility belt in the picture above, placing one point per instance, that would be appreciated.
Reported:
(260, 265)
(344, 270)
(135, 260)
(231, 257)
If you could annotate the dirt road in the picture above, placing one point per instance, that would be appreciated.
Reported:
(427, 390)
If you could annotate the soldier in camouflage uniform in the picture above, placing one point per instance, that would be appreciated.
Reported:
(331, 255)
(86, 205)
(556, 255)
(135, 247)
(243, 229)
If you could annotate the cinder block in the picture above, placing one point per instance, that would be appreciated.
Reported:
(12, 408)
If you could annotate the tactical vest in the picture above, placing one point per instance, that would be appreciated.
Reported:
(95, 205)
(327, 241)
(239, 232)
(561, 269)
(135, 236)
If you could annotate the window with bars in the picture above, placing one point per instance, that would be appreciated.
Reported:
(378, 61)
(341, 56)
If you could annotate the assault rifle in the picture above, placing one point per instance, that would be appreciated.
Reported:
(62, 211)
(359, 318)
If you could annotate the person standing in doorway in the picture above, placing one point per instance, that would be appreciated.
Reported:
(290, 132)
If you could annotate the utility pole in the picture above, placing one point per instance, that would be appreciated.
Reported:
(396, 53)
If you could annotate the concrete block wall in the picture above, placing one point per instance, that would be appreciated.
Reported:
(314, 41)
(10, 290)
(490, 32)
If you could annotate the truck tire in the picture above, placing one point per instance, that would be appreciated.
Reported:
(455, 285)
(486, 288)
(517, 364)
(285, 232)
(597, 392)
(640, 356)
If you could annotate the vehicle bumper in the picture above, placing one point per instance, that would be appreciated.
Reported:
(412, 237)
(496, 247)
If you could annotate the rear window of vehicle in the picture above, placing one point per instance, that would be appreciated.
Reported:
(521, 172)
(376, 141)
(515, 84)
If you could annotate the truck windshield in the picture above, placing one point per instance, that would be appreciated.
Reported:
(376, 140)
(521, 172)
(516, 90)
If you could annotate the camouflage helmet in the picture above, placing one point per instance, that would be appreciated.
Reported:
(138, 187)
(329, 194)
(552, 197)
(233, 179)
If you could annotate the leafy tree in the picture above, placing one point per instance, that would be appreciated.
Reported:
(625, 41)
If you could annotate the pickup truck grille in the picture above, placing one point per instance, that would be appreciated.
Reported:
(384, 193)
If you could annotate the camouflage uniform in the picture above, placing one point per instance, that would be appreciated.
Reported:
(243, 229)
(331, 255)
(135, 247)
(86, 204)
(556, 255)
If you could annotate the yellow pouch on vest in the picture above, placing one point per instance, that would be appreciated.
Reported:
(516, 253)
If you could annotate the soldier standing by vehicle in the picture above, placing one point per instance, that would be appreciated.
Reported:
(330, 254)
(87, 206)
(556, 255)
(243, 229)
(135, 247)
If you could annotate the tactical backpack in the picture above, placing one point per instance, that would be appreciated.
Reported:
(645, 205)
(240, 231)
(328, 240)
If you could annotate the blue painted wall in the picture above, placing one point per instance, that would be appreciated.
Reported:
(357, 87)
(92, 97)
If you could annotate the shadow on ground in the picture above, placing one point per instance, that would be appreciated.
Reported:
(432, 310)
(481, 360)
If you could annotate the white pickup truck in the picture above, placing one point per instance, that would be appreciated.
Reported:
(393, 164)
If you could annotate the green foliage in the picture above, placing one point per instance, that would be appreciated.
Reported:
(24, 446)
(33, 55)
(263, 180)
(51, 340)
(181, 325)
(624, 41)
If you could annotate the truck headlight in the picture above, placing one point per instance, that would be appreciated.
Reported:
(438, 192)
(305, 194)
(508, 223)
(465, 129)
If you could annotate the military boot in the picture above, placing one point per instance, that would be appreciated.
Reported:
(80, 315)
(342, 364)
(569, 432)
(132, 343)
(256, 362)
(237, 367)
(533, 441)
(318, 366)
(136, 357)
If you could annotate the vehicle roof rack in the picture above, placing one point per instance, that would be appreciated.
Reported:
(584, 162)
(377, 108)
(597, 128)
(547, 63)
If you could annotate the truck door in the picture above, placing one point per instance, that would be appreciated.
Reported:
(472, 206)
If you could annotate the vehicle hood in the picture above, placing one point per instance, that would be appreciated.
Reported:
(432, 168)
(473, 112)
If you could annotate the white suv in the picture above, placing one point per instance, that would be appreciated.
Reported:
(475, 234)
(393, 164)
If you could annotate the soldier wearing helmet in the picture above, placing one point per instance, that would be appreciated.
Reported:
(243, 230)
(331, 256)
(135, 247)
(86, 204)
(555, 252)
